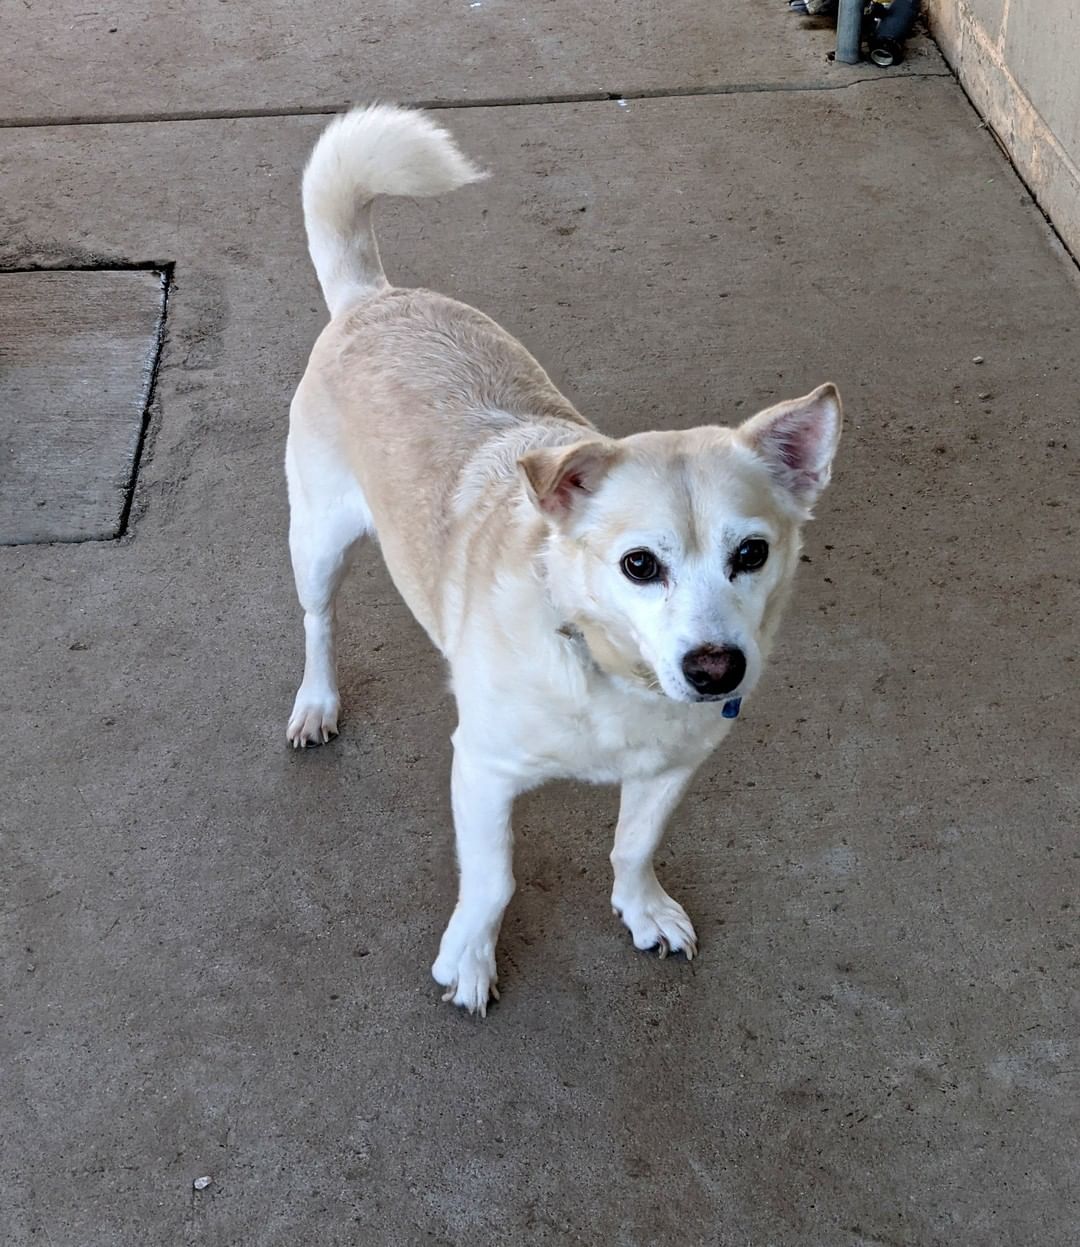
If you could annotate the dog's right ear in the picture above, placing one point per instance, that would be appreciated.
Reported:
(558, 479)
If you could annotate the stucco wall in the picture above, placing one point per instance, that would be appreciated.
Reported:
(1020, 62)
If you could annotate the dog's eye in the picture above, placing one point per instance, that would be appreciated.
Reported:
(749, 556)
(641, 565)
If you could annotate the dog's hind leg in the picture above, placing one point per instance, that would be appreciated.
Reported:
(328, 515)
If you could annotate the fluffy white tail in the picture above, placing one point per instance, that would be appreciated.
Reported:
(379, 150)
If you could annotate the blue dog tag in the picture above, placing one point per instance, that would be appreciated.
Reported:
(731, 708)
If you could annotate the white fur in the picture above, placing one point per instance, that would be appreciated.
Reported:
(380, 150)
(504, 518)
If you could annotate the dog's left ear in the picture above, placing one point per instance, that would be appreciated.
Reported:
(797, 440)
(558, 479)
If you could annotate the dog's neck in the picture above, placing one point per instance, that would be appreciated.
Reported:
(590, 640)
(595, 648)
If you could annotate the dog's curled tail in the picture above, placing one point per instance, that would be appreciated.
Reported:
(378, 150)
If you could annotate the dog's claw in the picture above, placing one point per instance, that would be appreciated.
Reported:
(472, 1007)
(313, 720)
(469, 976)
(657, 922)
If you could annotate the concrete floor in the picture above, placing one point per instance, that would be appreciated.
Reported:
(216, 950)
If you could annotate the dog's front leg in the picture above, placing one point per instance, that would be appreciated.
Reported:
(654, 919)
(482, 800)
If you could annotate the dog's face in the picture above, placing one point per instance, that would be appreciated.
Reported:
(673, 552)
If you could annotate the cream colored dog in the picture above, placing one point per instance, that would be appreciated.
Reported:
(604, 604)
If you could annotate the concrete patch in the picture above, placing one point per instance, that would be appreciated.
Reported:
(77, 360)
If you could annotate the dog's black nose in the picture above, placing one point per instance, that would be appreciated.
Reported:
(713, 671)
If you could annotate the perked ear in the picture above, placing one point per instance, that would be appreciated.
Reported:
(560, 478)
(797, 440)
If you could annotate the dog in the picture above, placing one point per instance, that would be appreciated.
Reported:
(604, 604)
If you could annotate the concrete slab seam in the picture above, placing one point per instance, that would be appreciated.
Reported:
(437, 105)
(165, 274)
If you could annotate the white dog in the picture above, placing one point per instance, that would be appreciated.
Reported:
(604, 604)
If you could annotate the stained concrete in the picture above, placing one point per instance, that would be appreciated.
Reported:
(217, 950)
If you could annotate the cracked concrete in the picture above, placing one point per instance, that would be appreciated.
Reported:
(217, 951)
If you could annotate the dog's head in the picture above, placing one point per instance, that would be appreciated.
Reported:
(673, 552)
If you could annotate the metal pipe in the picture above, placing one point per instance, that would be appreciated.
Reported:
(849, 32)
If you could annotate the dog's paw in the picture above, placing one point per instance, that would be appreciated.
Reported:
(657, 921)
(469, 976)
(313, 720)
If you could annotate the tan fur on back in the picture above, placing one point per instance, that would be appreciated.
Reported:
(431, 403)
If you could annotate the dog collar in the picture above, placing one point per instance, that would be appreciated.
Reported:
(580, 642)
(577, 638)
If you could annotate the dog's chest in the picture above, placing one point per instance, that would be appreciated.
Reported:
(612, 734)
